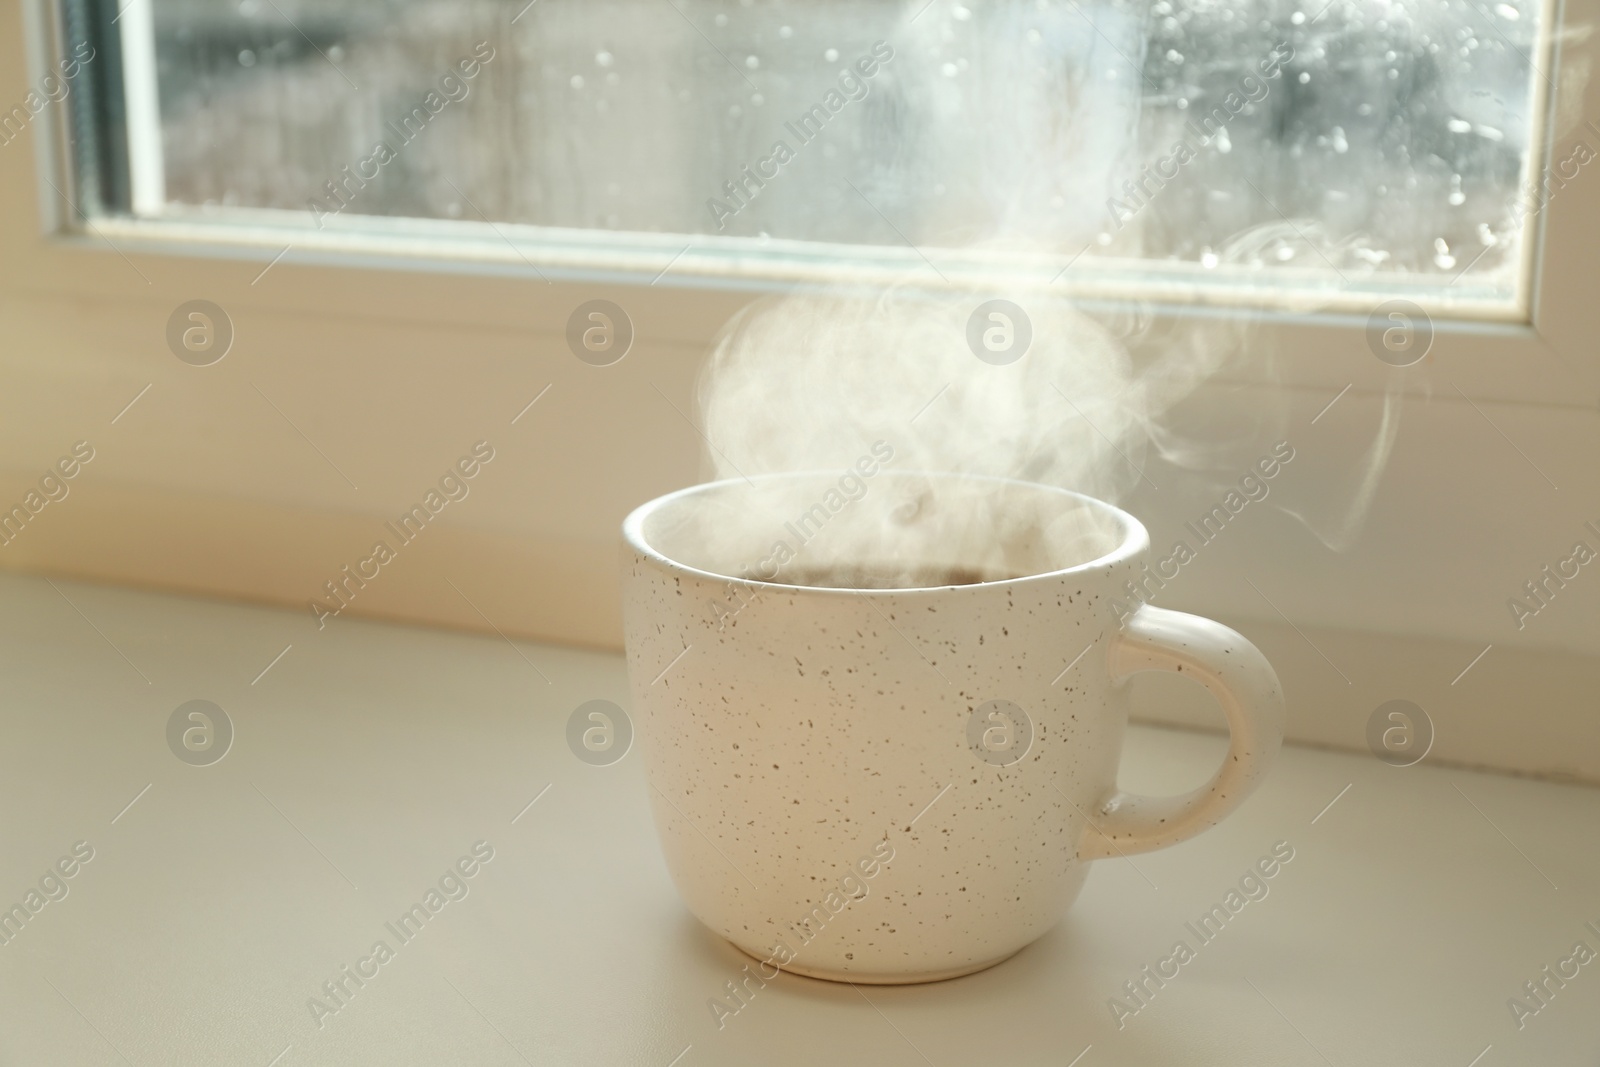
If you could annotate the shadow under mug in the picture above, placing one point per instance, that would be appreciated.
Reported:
(870, 783)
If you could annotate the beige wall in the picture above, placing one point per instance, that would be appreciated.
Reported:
(204, 486)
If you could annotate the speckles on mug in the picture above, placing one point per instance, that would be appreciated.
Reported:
(784, 773)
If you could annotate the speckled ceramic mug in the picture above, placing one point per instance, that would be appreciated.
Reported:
(905, 784)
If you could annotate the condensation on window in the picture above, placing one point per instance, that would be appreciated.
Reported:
(1362, 137)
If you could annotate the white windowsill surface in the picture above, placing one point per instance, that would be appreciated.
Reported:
(370, 757)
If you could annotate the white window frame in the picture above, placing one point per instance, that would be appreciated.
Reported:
(722, 262)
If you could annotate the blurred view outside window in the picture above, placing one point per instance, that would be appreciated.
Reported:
(1364, 143)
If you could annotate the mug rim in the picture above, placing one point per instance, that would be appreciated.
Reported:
(1134, 540)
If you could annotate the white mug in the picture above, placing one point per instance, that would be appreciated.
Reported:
(882, 784)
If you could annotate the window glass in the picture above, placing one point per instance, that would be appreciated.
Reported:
(1356, 143)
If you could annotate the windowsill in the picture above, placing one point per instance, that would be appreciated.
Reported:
(1416, 904)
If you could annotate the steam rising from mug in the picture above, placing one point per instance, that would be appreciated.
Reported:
(809, 381)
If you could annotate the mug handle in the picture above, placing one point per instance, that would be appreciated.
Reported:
(1244, 683)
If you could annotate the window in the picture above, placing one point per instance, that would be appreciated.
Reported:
(1195, 149)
